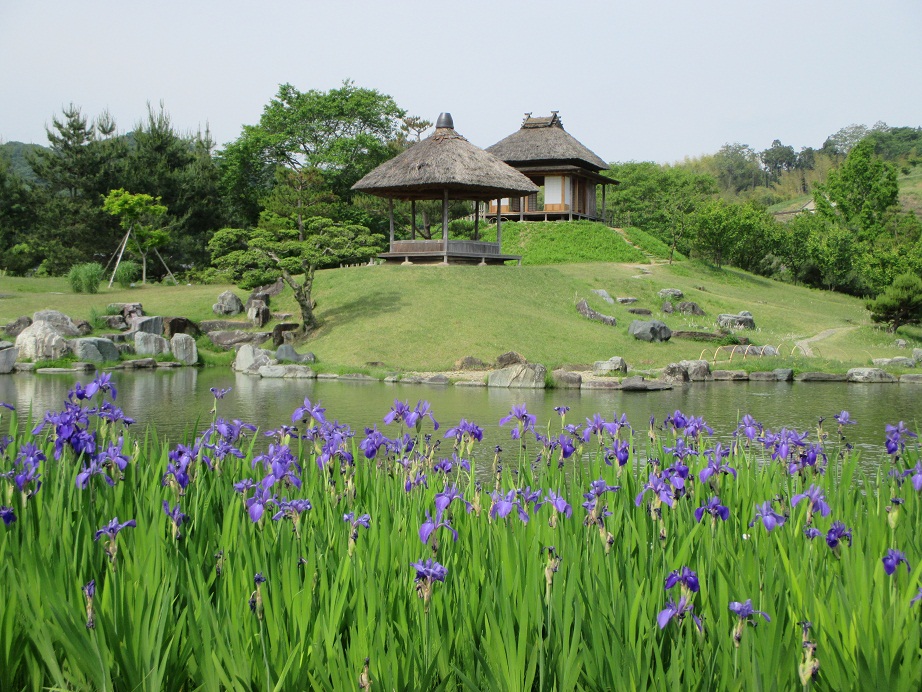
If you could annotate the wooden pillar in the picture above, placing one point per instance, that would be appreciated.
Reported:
(521, 209)
(572, 195)
(604, 210)
(477, 220)
(445, 223)
(499, 223)
(413, 216)
(390, 215)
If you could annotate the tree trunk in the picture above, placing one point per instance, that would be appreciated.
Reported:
(302, 293)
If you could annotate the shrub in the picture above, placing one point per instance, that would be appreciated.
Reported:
(127, 273)
(85, 278)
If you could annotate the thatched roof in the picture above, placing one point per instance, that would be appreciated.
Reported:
(445, 160)
(544, 141)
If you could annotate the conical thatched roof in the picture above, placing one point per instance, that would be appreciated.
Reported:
(445, 160)
(544, 141)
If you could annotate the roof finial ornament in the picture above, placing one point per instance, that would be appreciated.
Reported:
(445, 121)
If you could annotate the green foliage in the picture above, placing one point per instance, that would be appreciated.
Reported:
(85, 278)
(140, 215)
(127, 273)
(900, 303)
(738, 234)
(650, 244)
(559, 242)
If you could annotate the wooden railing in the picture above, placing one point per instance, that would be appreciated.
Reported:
(467, 247)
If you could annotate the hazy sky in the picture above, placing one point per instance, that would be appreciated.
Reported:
(633, 80)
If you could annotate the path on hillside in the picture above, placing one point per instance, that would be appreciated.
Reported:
(804, 344)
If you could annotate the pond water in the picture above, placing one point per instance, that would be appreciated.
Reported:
(176, 402)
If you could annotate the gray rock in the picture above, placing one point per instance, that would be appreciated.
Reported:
(868, 375)
(913, 378)
(54, 371)
(272, 289)
(667, 307)
(168, 364)
(437, 379)
(114, 321)
(8, 358)
(688, 307)
(640, 311)
(731, 375)
(25, 367)
(763, 376)
(391, 379)
(84, 328)
(357, 377)
(95, 349)
(179, 325)
(148, 325)
(627, 300)
(287, 353)
(125, 349)
(698, 370)
(741, 321)
(327, 376)
(60, 322)
(6, 344)
(898, 362)
(227, 340)
(140, 363)
(250, 359)
(697, 336)
(40, 341)
(653, 330)
(15, 327)
(183, 348)
(470, 363)
(671, 294)
(256, 296)
(820, 377)
(900, 343)
(600, 384)
(470, 383)
(258, 313)
(282, 331)
(510, 358)
(638, 384)
(126, 310)
(222, 325)
(565, 379)
(522, 376)
(784, 374)
(675, 373)
(147, 344)
(582, 307)
(228, 304)
(300, 372)
(603, 294)
(917, 354)
(612, 366)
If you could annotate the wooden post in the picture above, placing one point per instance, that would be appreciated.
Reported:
(477, 220)
(413, 215)
(390, 214)
(572, 196)
(521, 209)
(499, 223)
(604, 190)
(445, 222)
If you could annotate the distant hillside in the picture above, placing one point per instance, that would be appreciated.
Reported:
(15, 153)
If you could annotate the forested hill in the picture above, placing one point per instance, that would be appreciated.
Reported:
(15, 153)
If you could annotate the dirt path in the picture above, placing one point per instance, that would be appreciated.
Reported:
(804, 344)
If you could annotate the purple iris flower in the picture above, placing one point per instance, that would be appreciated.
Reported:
(94, 468)
(561, 410)
(695, 425)
(677, 420)
(559, 503)
(681, 450)
(102, 383)
(5, 405)
(808, 458)
(220, 393)
(770, 518)
(526, 421)
(837, 533)
(660, 490)
(504, 504)
(715, 464)
(465, 429)
(447, 496)
(309, 410)
(817, 501)
(419, 479)
(677, 611)
(685, 578)
(746, 614)
(431, 525)
(619, 450)
(915, 475)
(429, 570)
(423, 409)
(844, 418)
(811, 532)
(109, 412)
(446, 465)
(262, 497)
(113, 456)
(7, 514)
(892, 560)
(363, 520)
(917, 597)
(176, 517)
(112, 529)
(598, 426)
(749, 427)
(374, 441)
(714, 508)
(896, 437)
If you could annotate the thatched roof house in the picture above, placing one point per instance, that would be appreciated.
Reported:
(555, 160)
(445, 166)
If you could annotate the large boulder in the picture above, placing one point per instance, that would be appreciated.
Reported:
(667, 307)
(644, 312)
(183, 348)
(287, 353)
(40, 341)
(470, 363)
(868, 375)
(15, 327)
(510, 358)
(8, 358)
(671, 294)
(916, 354)
(228, 304)
(741, 321)
(567, 379)
(301, 372)
(638, 384)
(180, 325)
(233, 338)
(272, 289)
(675, 373)
(604, 295)
(652, 330)
(258, 313)
(95, 349)
(582, 307)
(60, 322)
(898, 362)
(147, 344)
(250, 359)
(523, 376)
(148, 325)
(254, 297)
(127, 310)
(222, 325)
(613, 366)
(688, 307)
(626, 300)
(114, 322)
(698, 370)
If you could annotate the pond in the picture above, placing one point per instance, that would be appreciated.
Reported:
(178, 401)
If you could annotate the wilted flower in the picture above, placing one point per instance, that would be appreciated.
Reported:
(89, 590)
(427, 573)
(355, 523)
(176, 518)
(256, 598)
(745, 613)
(111, 531)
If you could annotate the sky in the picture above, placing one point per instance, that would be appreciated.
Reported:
(638, 80)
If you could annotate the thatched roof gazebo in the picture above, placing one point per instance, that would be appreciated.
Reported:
(445, 166)
(554, 159)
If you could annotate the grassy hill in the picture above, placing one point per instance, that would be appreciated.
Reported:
(427, 317)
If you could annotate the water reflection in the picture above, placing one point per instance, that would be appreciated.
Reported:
(174, 401)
